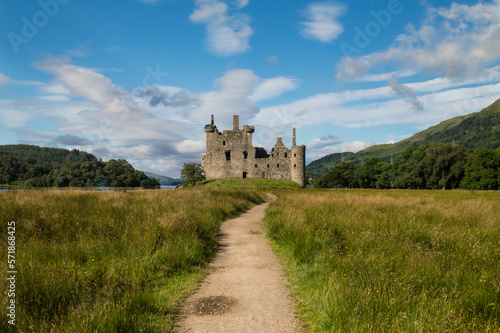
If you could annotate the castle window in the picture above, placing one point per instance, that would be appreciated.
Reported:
(245, 155)
(268, 165)
(295, 166)
(294, 155)
(277, 154)
(277, 165)
(228, 155)
(255, 165)
(286, 155)
(224, 142)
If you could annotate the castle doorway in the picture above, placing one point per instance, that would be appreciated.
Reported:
(244, 175)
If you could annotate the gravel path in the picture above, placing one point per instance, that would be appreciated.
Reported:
(245, 291)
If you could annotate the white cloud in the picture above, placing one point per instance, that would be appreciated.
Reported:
(157, 96)
(230, 98)
(376, 107)
(333, 144)
(455, 42)
(385, 76)
(323, 142)
(117, 123)
(169, 165)
(237, 92)
(55, 98)
(29, 83)
(272, 88)
(55, 88)
(243, 3)
(81, 81)
(4, 79)
(191, 146)
(323, 22)
(227, 33)
(355, 146)
(13, 115)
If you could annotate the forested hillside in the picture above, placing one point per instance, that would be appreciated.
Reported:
(39, 155)
(476, 130)
(33, 166)
(430, 166)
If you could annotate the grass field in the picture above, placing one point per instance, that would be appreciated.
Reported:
(113, 261)
(253, 183)
(391, 261)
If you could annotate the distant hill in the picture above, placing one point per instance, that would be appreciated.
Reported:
(40, 155)
(476, 130)
(164, 180)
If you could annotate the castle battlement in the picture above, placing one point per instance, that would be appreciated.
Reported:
(231, 154)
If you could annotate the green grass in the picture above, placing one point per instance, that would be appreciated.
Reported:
(253, 183)
(113, 261)
(391, 261)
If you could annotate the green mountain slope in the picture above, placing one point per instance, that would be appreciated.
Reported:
(475, 130)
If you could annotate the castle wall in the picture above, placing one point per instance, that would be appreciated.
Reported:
(231, 154)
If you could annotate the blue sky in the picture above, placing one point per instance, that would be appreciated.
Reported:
(138, 79)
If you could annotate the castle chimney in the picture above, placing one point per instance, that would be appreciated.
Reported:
(212, 122)
(236, 123)
(294, 139)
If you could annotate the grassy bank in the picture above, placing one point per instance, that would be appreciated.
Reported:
(391, 261)
(253, 183)
(114, 261)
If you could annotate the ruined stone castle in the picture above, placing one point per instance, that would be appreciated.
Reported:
(231, 154)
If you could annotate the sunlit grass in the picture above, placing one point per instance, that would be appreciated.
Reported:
(253, 183)
(114, 261)
(391, 261)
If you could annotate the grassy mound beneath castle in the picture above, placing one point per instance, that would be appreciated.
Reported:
(112, 261)
(391, 261)
(253, 183)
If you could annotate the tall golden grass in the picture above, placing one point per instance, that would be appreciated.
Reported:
(110, 262)
(391, 261)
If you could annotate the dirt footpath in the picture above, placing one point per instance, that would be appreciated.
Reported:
(245, 291)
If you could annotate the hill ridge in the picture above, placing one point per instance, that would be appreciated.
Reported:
(475, 130)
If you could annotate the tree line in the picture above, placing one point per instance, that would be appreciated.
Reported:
(31, 166)
(430, 166)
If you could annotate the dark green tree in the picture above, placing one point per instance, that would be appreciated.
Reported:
(407, 168)
(340, 176)
(150, 183)
(444, 165)
(191, 174)
(368, 174)
(482, 172)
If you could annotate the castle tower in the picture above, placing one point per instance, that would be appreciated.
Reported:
(298, 162)
(231, 154)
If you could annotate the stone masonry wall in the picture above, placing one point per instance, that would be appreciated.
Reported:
(231, 154)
